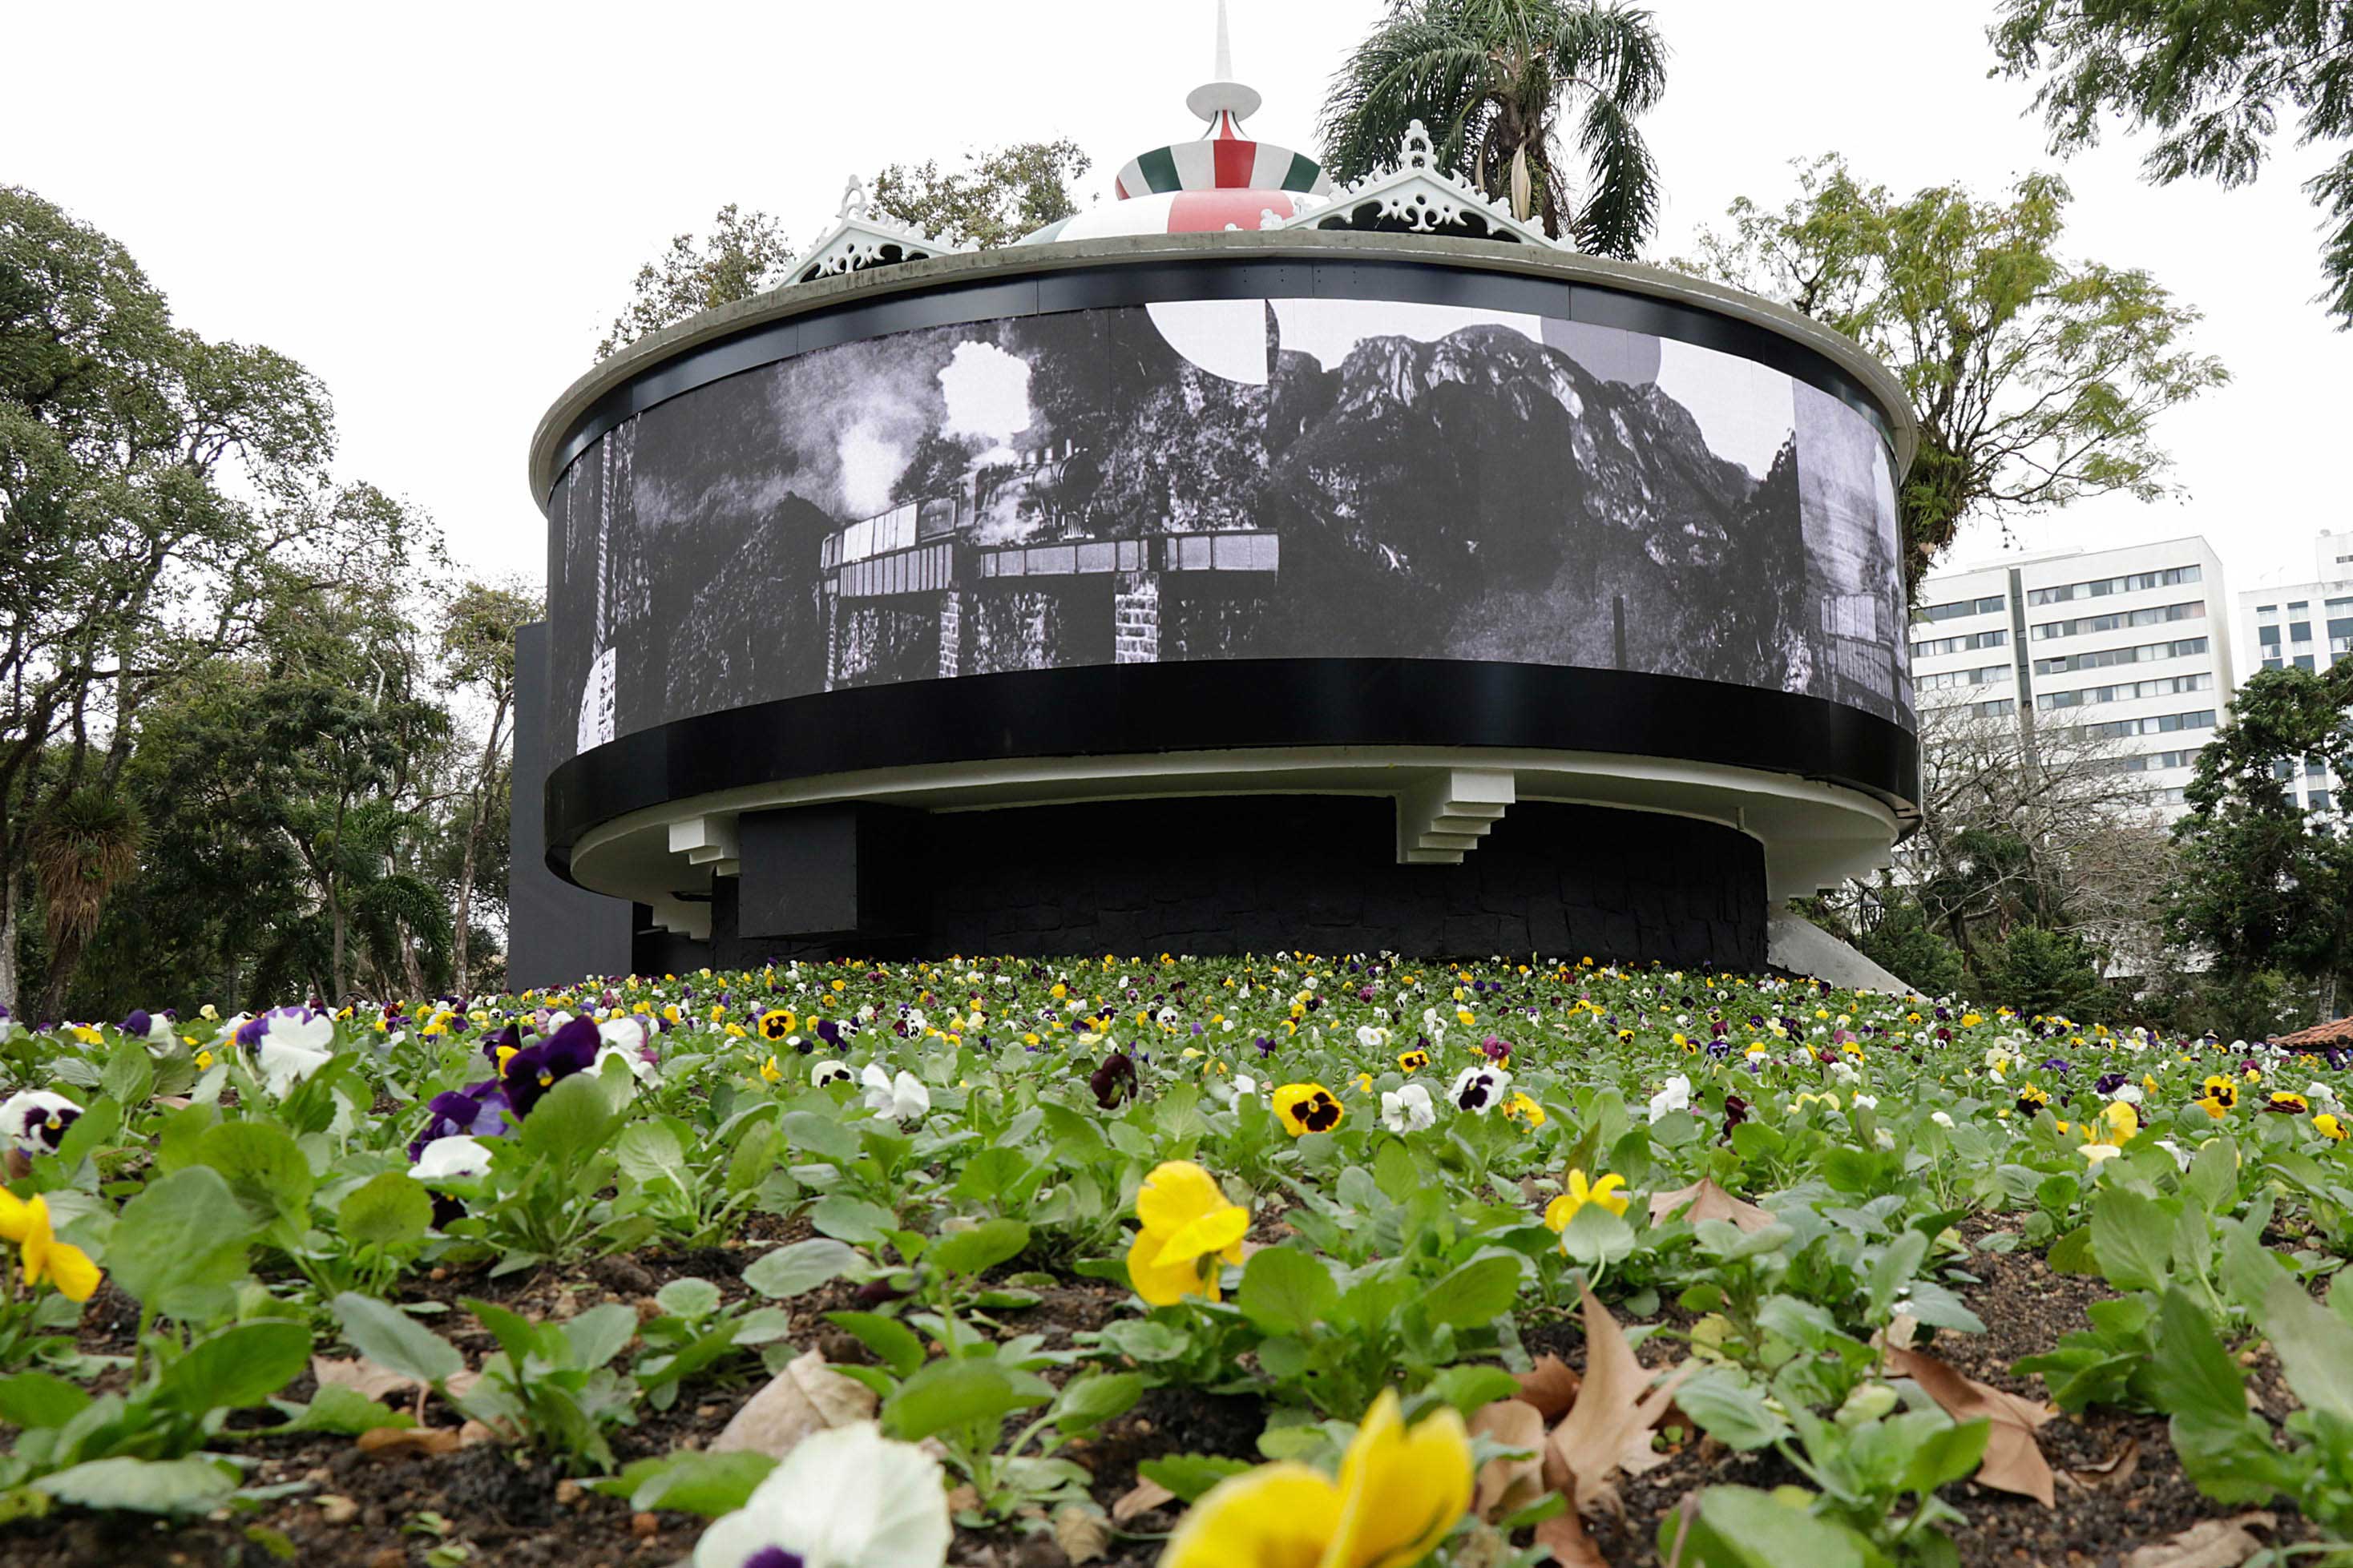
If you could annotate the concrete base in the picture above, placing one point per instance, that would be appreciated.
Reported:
(1797, 944)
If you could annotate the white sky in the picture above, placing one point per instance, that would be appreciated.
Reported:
(436, 208)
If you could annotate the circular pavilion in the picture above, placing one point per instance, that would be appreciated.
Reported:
(1244, 564)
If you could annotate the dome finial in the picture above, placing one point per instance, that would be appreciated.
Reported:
(1224, 95)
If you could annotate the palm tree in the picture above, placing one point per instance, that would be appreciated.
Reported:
(79, 856)
(1492, 80)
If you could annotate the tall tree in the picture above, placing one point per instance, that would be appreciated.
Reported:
(152, 485)
(995, 199)
(478, 650)
(2037, 379)
(2212, 80)
(2265, 884)
(1495, 81)
(744, 254)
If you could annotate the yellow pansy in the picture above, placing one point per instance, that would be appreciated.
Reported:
(1400, 1491)
(770, 1071)
(1605, 1192)
(1306, 1107)
(41, 1253)
(1188, 1228)
(1520, 1108)
(1412, 1061)
(2329, 1127)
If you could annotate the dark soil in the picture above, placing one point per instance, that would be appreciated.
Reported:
(2119, 1486)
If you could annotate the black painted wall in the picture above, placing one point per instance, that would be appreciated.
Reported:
(1258, 874)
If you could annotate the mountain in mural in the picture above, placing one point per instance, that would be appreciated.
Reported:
(1403, 533)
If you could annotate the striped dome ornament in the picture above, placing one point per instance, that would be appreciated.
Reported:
(1225, 157)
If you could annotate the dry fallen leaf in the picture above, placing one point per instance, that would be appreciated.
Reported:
(2013, 1459)
(1081, 1534)
(1141, 1498)
(2209, 1543)
(1708, 1201)
(2112, 1472)
(407, 1442)
(1608, 1429)
(362, 1376)
(807, 1397)
(1550, 1387)
(1571, 1547)
(1507, 1486)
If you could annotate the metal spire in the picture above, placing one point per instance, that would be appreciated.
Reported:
(1223, 95)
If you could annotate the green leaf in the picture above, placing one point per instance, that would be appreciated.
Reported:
(572, 1119)
(992, 1173)
(129, 1074)
(811, 1132)
(1942, 1456)
(1740, 1527)
(981, 1249)
(1595, 1238)
(689, 1482)
(236, 1368)
(1475, 1294)
(2314, 1346)
(1189, 1474)
(394, 1340)
(1141, 1338)
(389, 1209)
(1470, 1388)
(2212, 1179)
(887, 1338)
(688, 1298)
(1090, 1401)
(1730, 1410)
(178, 1246)
(98, 1123)
(599, 1334)
(968, 1392)
(1286, 1291)
(1892, 1269)
(650, 1153)
(342, 1412)
(144, 1486)
(2130, 1237)
(2072, 1253)
(1395, 1173)
(846, 1218)
(264, 1168)
(803, 1266)
(33, 1399)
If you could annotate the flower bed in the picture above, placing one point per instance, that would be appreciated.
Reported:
(1312, 1260)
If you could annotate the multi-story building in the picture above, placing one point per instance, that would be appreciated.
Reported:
(2130, 647)
(2304, 625)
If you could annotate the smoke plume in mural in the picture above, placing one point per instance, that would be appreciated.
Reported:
(1224, 480)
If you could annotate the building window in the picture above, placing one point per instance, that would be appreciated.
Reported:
(1992, 605)
(2157, 614)
(2267, 637)
(2171, 577)
(2303, 661)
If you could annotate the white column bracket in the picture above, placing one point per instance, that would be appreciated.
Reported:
(1442, 815)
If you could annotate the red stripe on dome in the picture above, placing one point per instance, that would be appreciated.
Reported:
(1120, 187)
(1195, 212)
(1237, 161)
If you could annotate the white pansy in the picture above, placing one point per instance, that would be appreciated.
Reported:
(1675, 1097)
(1866, 1101)
(1371, 1038)
(293, 1047)
(849, 1498)
(1942, 1119)
(1477, 1090)
(901, 1099)
(828, 1072)
(35, 1121)
(631, 1033)
(1407, 1110)
(459, 1155)
(2129, 1093)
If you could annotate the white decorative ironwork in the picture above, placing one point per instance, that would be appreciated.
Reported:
(858, 240)
(1417, 196)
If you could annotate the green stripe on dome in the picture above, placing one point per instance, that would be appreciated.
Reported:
(1159, 170)
(1303, 174)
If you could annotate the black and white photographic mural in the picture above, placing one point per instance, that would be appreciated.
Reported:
(1298, 477)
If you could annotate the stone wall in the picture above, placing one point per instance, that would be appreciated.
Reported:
(1136, 619)
(1258, 874)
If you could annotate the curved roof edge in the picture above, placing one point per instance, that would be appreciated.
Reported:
(913, 277)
